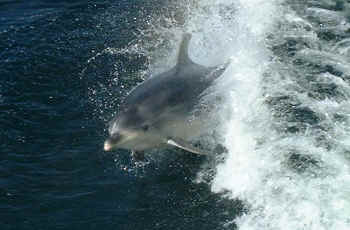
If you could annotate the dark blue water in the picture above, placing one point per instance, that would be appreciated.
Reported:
(53, 171)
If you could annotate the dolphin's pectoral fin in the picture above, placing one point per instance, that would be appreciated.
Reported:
(137, 155)
(182, 144)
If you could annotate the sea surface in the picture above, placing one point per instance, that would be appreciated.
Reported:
(282, 118)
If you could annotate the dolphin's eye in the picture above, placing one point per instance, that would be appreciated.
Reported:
(145, 128)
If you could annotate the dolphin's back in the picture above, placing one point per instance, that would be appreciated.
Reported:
(173, 93)
(180, 85)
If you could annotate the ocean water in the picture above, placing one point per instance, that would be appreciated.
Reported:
(283, 115)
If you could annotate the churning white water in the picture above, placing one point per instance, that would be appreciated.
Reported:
(287, 89)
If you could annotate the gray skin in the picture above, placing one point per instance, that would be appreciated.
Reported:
(159, 112)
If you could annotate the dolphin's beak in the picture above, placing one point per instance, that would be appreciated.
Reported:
(107, 146)
(118, 140)
(112, 141)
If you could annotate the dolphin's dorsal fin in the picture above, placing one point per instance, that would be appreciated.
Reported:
(179, 143)
(183, 57)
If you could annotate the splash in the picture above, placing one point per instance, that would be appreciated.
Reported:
(288, 153)
(285, 114)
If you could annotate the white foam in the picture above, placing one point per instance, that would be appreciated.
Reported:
(256, 168)
(240, 173)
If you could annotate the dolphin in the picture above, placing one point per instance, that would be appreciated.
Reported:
(159, 112)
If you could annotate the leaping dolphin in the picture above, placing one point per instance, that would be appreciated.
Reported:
(158, 112)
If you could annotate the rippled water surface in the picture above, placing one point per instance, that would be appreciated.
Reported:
(283, 117)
